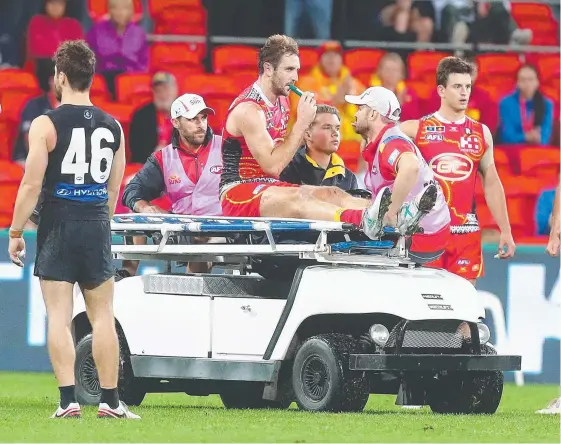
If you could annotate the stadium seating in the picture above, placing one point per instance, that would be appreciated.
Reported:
(176, 57)
(498, 69)
(363, 62)
(178, 17)
(421, 65)
(133, 88)
(234, 59)
(539, 19)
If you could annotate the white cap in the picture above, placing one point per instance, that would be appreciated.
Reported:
(188, 106)
(380, 99)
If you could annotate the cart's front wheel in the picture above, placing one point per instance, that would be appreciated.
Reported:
(321, 377)
(470, 392)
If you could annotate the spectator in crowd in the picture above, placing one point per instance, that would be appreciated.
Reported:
(544, 208)
(120, 45)
(526, 116)
(318, 12)
(405, 20)
(35, 108)
(316, 162)
(489, 22)
(48, 30)
(391, 75)
(151, 127)
(481, 106)
(330, 80)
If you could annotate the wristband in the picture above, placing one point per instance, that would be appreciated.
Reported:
(15, 234)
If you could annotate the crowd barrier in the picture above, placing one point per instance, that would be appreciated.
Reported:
(522, 299)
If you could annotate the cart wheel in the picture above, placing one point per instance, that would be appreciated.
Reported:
(471, 392)
(321, 377)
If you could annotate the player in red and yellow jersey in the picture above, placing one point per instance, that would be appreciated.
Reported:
(457, 148)
(257, 148)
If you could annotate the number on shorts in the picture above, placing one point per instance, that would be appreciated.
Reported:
(74, 161)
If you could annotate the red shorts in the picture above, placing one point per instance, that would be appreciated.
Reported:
(244, 199)
(430, 246)
(462, 256)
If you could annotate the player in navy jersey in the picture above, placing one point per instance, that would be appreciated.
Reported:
(76, 161)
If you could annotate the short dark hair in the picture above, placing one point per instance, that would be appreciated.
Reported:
(274, 49)
(327, 109)
(77, 61)
(451, 65)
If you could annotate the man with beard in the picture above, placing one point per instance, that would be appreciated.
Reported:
(76, 160)
(256, 149)
(188, 169)
(396, 168)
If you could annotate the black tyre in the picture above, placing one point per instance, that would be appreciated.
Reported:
(471, 392)
(321, 378)
(88, 390)
(242, 395)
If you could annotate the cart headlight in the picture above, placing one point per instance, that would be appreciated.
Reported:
(379, 334)
(484, 333)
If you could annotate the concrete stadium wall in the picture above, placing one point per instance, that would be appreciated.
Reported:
(522, 298)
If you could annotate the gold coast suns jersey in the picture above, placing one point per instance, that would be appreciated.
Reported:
(454, 150)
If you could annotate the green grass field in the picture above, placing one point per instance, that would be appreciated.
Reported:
(27, 400)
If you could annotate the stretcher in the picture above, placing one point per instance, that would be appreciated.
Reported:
(232, 239)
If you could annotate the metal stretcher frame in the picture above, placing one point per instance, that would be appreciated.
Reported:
(381, 253)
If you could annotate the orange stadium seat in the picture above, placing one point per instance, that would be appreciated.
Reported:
(362, 62)
(422, 89)
(540, 162)
(548, 66)
(99, 88)
(156, 7)
(5, 146)
(12, 103)
(522, 193)
(421, 65)
(220, 106)
(17, 79)
(10, 178)
(182, 17)
(308, 59)
(97, 9)
(176, 56)
(234, 59)
(521, 11)
(498, 69)
(349, 151)
(539, 19)
(133, 88)
(502, 163)
(211, 85)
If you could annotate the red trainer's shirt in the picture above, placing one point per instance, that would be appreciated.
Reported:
(193, 161)
(390, 153)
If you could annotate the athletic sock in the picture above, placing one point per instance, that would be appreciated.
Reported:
(66, 396)
(110, 397)
(350, 216)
